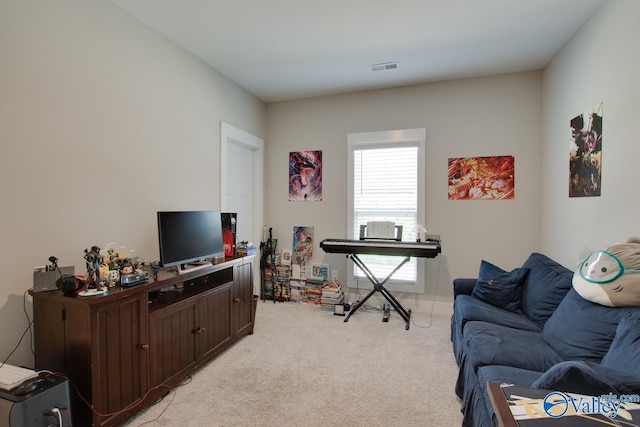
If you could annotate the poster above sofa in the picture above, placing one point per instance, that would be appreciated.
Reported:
(482, 178)
(585, 154)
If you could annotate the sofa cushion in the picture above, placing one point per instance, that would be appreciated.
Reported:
(498, 287)
(489, 344)
(467, 309)
(503, 375)
(582, 330)
(624, 353)
(544, 287)
(587, 378)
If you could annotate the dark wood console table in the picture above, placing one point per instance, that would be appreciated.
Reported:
(118, 346)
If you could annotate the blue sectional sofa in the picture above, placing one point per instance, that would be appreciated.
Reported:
(529, 327)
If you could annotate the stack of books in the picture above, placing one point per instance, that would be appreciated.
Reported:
(282, 293)
(282, 283)
(267, 282)
(331, 296)
(313, 290)
(296, 288)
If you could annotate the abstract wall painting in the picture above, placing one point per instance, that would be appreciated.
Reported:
(482, 178)
(305, 176)
(585, 154)
(302, 244)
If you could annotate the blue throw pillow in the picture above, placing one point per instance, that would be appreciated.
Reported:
(544, 288)
(498, 287)
(624, 353)
(581, 329)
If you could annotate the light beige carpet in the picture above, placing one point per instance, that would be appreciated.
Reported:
(306, 367)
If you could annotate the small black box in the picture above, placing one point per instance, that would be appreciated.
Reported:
(46, 280)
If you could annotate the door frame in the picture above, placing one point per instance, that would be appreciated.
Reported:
(229, 134)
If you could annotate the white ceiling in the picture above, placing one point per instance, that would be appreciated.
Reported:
(287, 49)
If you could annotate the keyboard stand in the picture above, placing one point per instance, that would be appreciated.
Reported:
(378, 286)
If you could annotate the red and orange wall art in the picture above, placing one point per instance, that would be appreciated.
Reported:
(482, 178)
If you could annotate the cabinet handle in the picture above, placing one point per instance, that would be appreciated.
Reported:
(144, 347)
(236, 300)
(200, 331)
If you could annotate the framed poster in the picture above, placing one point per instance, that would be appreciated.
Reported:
(305, 176)
(585, 154)
(302, 244)
(482, 178)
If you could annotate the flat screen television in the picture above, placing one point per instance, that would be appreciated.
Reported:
(189, 237)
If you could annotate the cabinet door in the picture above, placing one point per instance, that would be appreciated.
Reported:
(118, 356)
(172, 333)
(242, 303)
(214, 320)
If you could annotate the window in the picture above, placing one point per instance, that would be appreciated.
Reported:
(386, 183)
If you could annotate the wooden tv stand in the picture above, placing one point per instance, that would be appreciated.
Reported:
(118, 346)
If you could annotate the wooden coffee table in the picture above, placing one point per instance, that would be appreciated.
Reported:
(504, 416)
(516, 406)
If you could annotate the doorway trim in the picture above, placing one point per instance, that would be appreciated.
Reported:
(228, 134)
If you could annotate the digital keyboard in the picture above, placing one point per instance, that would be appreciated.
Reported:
(426, 249)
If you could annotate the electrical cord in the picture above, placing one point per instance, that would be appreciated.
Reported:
(28, 329)
(135, 404)
(29, 322)
(433, 299)
(171, 390)
(58, 414)
(18, 345)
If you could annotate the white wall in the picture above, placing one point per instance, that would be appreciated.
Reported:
(499, 115)
(601, 64)
(103, 122)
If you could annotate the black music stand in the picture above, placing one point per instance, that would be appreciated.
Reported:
(378, 285)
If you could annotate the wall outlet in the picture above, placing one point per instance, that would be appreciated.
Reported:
(334, 275)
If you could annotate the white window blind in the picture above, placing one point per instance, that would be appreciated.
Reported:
(386, 183)
(385, 189)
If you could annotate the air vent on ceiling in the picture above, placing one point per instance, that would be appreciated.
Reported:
(384, 66)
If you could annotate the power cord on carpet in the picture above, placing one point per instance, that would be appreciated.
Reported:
(185, 381)
(433, 299)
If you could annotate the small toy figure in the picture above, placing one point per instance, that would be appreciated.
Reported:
(94, 261)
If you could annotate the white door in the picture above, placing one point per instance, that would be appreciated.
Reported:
(240, 188)
(241, 170)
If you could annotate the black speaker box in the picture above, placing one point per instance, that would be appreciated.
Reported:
(44, 281)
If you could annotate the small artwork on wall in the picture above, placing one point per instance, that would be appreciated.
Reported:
(482, 178)
(305, 176)
(585, 154)
(302, 244)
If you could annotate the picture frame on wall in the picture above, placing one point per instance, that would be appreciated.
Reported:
(320, 271)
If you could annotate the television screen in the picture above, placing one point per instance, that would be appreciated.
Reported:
(188, 236)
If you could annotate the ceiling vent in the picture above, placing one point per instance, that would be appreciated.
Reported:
(384, 66)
